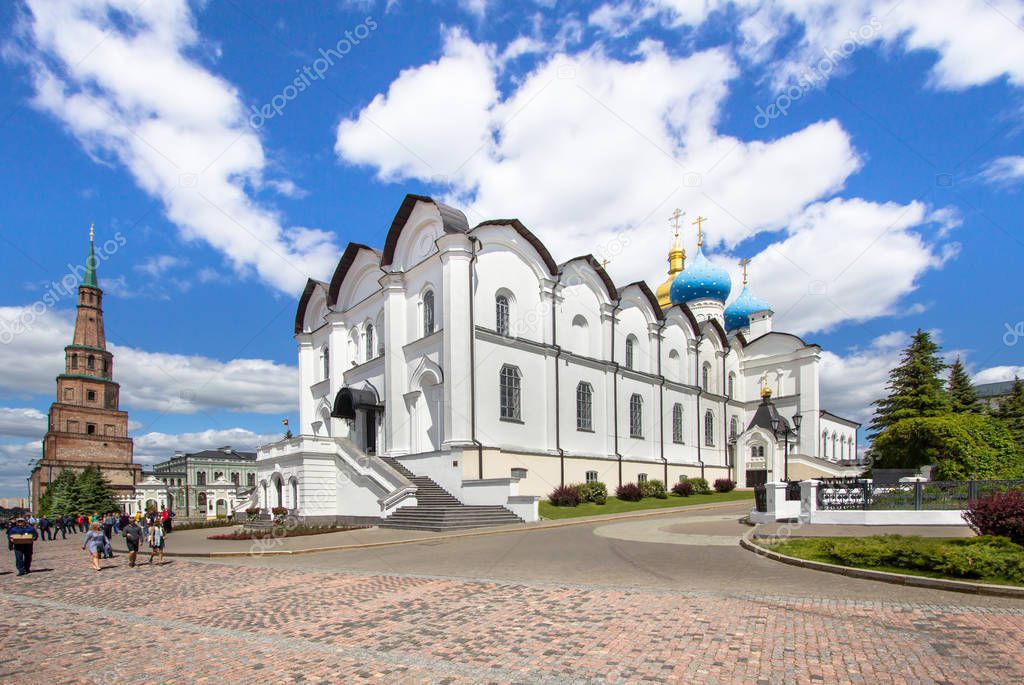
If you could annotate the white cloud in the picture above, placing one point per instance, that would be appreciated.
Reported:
(22, 422)
(593, 153)
(998, 373)
(16, 459)
(118, 75)
(851, 382)
(158, 265)
(175, 383)
(961, 33)
(151, 448)
(1004, 171)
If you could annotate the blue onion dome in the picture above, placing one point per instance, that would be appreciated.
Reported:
(737, 314)
(699, 281)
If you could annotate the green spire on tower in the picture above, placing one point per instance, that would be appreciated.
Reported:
(90, 262)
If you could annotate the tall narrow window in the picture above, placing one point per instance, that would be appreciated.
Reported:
(636, 416)
(677, 423)
(709, 428)
(501, 314)
(428, 312)
(630, 352)
(734, 426)
(201, 478)
(251, 480)
(732, 385)
(90, 362)
(584, 407)
(705, 379)
(509, 391)
(74, 360)
(326, 362)
(370, 349)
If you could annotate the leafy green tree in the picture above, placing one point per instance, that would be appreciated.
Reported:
(962, 395)
(915, 386)
(94, 492)
(962, 447)
(1011, 411)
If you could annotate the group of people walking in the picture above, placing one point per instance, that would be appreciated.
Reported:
(151, 528)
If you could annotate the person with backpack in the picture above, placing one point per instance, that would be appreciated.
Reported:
(156, 542)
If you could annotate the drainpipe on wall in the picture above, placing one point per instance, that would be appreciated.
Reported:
(725, 412)
(558, 402)
(474, 241)
(700, 391)
(615, 392)
(661, 406)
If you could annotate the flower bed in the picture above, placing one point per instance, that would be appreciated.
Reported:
(283, 532)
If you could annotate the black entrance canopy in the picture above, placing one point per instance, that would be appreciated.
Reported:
(349, 399)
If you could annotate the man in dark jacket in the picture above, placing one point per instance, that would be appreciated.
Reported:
(132, 539)
(44, 528)
(20, 537)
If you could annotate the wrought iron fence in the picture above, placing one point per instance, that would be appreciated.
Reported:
(834, 494)
(761, 498)
(793, 491)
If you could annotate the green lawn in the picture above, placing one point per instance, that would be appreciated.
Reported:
(617, 506)
(982, 559)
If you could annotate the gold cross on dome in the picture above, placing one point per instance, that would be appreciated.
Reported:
(676, 218)
(700, 230)
(743, 263)
(605, 262)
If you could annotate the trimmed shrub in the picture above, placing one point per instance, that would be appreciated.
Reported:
(1001, 513)
(725, 485)
(683, 488)
(700, 486)
(565, 496)
(653, 488)
(596, 492)
(629, 492)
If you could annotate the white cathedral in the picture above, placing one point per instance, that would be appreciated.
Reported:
(461, 373)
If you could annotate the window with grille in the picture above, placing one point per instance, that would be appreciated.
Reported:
(641, 478)
(370, 349)
(428, 312)
(201, 478)
(709, 428)
(327, 363)
(630, 352)
(584, 407)
(705, 381)
(501, 314)
(509, 383)
(732, 385)
(636, 416)
(733, 427)
(591, 476)
(677, 423)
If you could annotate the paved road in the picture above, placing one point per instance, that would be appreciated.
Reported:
(578, 604)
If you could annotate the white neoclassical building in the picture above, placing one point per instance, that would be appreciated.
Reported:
(470, 357)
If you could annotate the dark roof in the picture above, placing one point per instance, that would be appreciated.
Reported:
(527, 235)
(997, 389)
(766, 411)
(307, 295)
(829, 414)
(348, 257)
(609, 286)
(646, 291)
(452, 220)
(226, 452)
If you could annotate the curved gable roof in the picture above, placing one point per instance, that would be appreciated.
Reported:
(609, 286)
(307, 295)
(788, 335)
(722, 336)
(344, 264)
(452, 220)
(645, 290)
(694, 325)
(527, 235)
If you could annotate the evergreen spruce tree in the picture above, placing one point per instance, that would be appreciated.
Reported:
(94, 492)
(65, 493)
(962, 396)
(915, 386)
(45, 502)
(1011, 411)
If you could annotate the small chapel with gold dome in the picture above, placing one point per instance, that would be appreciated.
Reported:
(467, 355)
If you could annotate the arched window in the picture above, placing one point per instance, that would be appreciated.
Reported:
(370, 349)
(580, 334)
(630, 351)
(508, 382)
(677, 423)
(501, 314)
(835, 452)
(251, 480)
(705, 378)
(326, 362)
(674, 367)
(201, 500)
(734, 427)
(757, 451)
(201, 478)
(636, 416)
(731, 388)
(90, 362)
(824, 444)
(428, 312)
(584, 407)
(709, 428)
(235, 477)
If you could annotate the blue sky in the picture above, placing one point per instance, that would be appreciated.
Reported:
(867, 155)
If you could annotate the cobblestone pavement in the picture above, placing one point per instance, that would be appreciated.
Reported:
(189, 621)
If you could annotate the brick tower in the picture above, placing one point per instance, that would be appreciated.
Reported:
(86, 428)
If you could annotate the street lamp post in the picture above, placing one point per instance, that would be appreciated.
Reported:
(779, 427)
